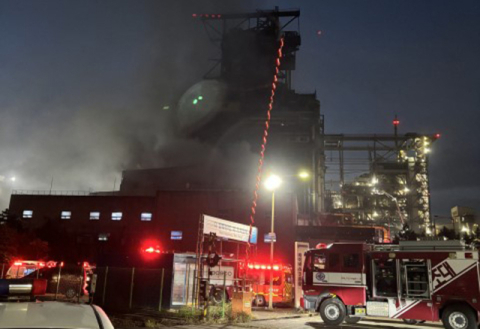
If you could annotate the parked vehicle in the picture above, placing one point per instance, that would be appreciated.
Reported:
(67, 280)
(53, 315)
(414, 281)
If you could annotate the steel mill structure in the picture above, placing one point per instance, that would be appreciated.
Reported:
(355, 186)
(371, 179)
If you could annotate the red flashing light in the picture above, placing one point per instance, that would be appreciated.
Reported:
(18, 263)
(194, 15)
(152, 250)
(85, 265)
(264, 267)
(396, 122)
(61, 264)
(41, 264)
(321, 246)
(437, 136)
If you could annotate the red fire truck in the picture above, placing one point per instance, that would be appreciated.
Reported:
(258, 276)
(414, 281)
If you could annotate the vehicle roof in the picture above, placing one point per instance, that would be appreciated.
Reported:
(52, 315)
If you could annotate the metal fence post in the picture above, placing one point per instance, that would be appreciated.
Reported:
(82, 273)
(104, 286)
(59, 277)
(3, 269)
(224, 297)
(131, 288)
(194, 289)
(161, 291)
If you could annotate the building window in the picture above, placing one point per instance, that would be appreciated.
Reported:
(146, 216)
(176, 235)
(117, 215)
(94, 215)
(103, 236)
(27, 213)
(66, 215)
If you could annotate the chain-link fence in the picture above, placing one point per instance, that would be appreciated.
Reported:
(126, 288)
(114, 288)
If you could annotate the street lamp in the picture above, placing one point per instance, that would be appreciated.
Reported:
(304, 175)
(272, 183)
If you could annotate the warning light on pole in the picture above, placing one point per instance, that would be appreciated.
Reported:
(396, 122)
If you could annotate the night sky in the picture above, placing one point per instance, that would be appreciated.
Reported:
(83, 84)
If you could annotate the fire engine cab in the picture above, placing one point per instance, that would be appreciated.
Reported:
(414, 281)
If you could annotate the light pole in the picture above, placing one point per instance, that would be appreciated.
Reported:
(271, 184)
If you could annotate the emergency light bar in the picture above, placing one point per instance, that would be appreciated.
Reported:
(264, 267)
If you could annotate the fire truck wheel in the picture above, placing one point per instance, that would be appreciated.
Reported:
(332, 311)
(260, 300)
(459, 317)
(352, 319)
(410, 321)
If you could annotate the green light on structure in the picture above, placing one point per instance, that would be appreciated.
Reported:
(195, 101)
(200, 98)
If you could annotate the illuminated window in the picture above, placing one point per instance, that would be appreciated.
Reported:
(27, 213)
(146, 216)
(94, 215)
(117, 215)
(319, 262)
(176, 235)
(103, 236)
(66, 215)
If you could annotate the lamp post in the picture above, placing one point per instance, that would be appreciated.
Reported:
(271, 184)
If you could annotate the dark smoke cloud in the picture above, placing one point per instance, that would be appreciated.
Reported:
(83, 87)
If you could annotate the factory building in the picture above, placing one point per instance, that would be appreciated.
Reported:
(89, 226)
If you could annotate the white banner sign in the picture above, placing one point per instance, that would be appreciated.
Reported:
(228, 229)
(300, 248)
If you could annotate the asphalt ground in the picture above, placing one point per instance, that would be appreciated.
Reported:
(292, 319)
